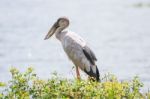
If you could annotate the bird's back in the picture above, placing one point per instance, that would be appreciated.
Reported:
(75, 38)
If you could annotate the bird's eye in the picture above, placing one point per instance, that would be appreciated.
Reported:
(63, 21)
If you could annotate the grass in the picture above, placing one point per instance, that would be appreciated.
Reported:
(27, 85)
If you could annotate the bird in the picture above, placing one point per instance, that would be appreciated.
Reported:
(76, 48)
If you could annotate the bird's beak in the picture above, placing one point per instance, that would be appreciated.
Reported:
(51, 31)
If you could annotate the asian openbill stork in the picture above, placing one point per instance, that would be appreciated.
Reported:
(75, 47)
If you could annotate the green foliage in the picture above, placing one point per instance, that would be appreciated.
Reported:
(140, 5)
(27, 85)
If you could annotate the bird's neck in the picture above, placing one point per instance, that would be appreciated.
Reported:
(60, 34)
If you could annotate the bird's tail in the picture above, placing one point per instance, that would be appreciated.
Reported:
(97, 74)
(94, 72)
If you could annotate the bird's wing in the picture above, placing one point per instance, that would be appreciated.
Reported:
(89, 55)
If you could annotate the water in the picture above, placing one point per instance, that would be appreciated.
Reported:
(117, 32)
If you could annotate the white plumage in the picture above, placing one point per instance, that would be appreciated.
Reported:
(75, 47)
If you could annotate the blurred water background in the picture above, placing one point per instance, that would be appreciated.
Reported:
(118, 31)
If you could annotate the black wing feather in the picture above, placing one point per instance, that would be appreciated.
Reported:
(89, 55)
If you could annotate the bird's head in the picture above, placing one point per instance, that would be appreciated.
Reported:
(58, 26)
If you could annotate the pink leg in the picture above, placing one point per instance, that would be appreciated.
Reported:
(77, 72)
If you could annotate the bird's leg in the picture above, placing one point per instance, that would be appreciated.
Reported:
(77, 72)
